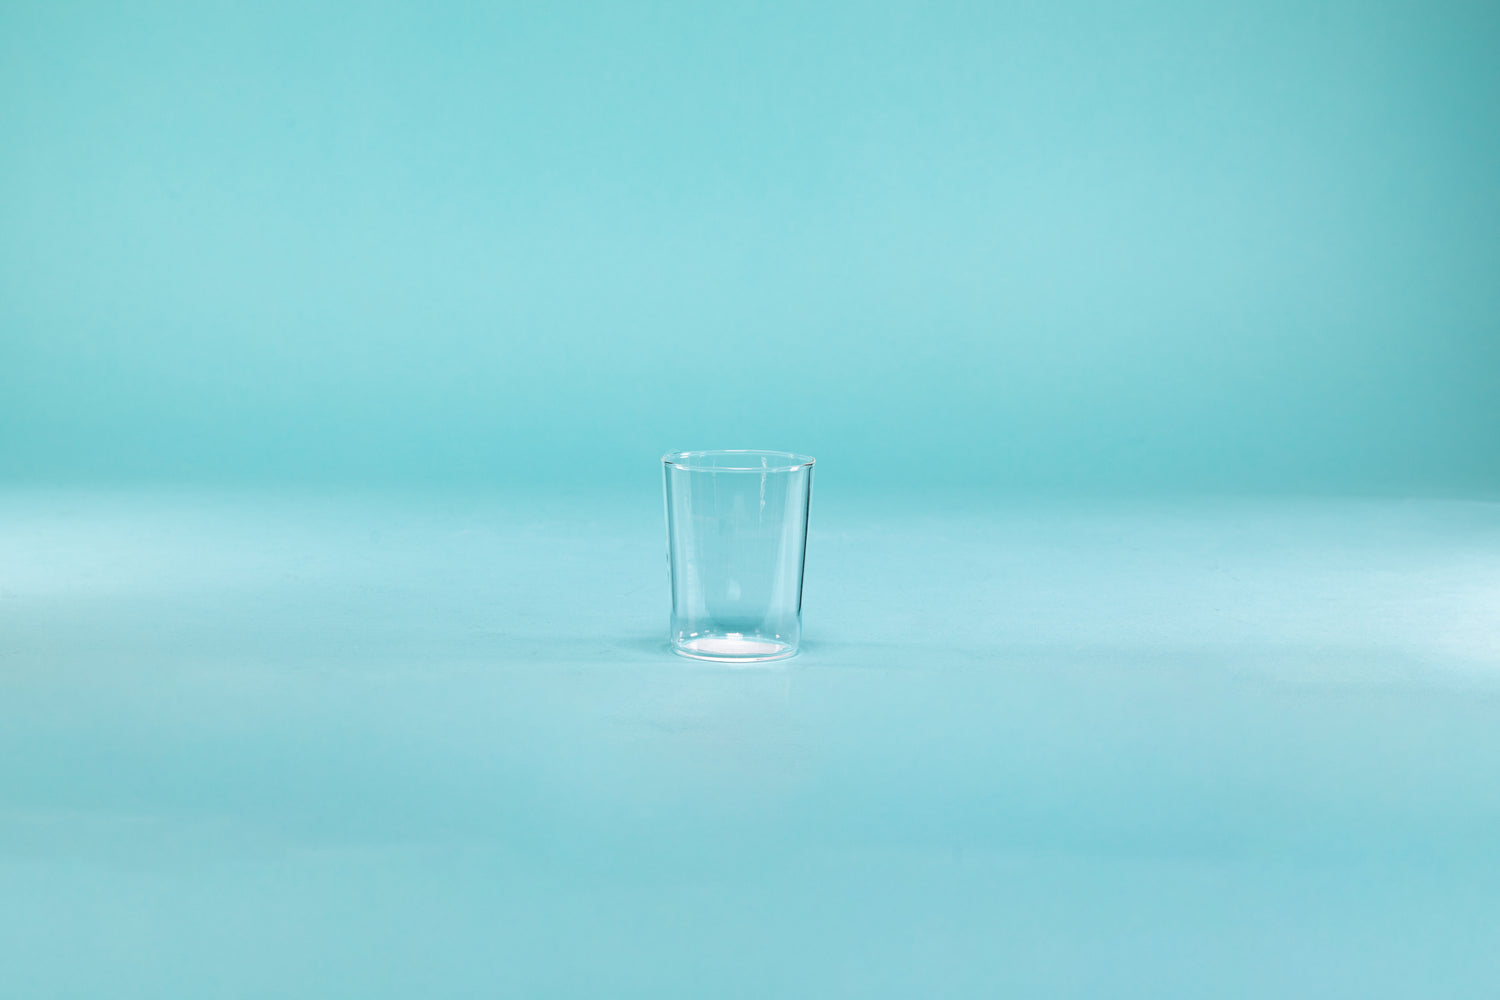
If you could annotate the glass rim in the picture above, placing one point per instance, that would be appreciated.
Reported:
(694, 461)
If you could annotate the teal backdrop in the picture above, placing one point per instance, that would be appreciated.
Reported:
(1150, 353)
(1071, 246)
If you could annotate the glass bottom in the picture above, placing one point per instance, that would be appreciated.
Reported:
(733, 648)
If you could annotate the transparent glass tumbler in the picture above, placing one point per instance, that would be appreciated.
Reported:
(736, 540)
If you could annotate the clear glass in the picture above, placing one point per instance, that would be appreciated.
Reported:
(736, 542)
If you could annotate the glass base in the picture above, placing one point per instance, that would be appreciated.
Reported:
(733, 648)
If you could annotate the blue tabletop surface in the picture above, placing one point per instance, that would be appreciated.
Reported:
(400, 745)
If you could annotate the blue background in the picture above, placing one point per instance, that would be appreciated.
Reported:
(1151, 355)
(1059, 246)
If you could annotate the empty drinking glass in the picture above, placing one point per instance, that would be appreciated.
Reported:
(736, 539)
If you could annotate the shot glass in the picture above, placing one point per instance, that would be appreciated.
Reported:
(736, 542)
